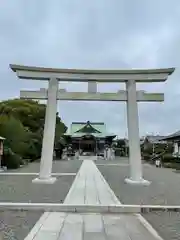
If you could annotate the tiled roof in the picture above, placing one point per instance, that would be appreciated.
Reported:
(97, 135)
(77, 126)
(152, 138)
(174, 135)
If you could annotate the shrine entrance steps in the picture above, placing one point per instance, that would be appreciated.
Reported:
(92, 158)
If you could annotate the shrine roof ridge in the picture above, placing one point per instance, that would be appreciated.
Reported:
(92, 123)
(16, 67)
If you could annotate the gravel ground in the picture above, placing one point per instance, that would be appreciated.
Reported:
(167, 224)
(117, 160)
(58, 167)
(21, 189)
(164, 189)
(16, 225)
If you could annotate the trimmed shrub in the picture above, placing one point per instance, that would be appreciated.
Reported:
(120, 152)
(11, 160)
(167, 158)
(167, 165)
(146, 156)
(172, 165)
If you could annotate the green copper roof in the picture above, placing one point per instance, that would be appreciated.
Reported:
(88, 128)
(97, 129)
(78, 126)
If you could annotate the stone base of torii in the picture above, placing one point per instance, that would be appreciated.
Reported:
(130, 96)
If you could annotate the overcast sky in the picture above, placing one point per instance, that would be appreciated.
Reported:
(96, 34)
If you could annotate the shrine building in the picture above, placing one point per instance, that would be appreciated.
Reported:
(89, 136)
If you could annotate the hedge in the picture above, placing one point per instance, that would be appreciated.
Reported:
(165, 158)
(172, 165)
(11, 160)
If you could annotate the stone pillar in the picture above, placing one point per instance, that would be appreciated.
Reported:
(1, 170)
(49, 134)
(133, 135)
(112, 154)
(109, 154)
(1, 154)
(106, 153)
(176, 148)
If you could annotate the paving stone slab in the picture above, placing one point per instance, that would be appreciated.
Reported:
(62, 226)
(89, 187)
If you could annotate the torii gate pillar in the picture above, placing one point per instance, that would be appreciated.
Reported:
(133, 136)
(49, 134)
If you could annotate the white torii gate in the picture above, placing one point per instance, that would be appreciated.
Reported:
(131, 96)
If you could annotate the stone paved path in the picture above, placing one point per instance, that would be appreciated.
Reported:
(89, 187)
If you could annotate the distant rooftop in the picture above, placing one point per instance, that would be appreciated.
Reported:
(174, 136)
(92, 123)
(153, 138)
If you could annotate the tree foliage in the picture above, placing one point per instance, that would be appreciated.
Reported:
(121, 143)
(22, 124)
(157, 148)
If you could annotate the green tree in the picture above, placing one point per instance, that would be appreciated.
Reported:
(15, 134)
(121, 143)
(22, 124)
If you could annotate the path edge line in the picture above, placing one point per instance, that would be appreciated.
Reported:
(149, 227)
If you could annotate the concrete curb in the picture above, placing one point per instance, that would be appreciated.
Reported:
(33, 174)
(87, 208)
(51, 207)
(159, 208)
(148, 226)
